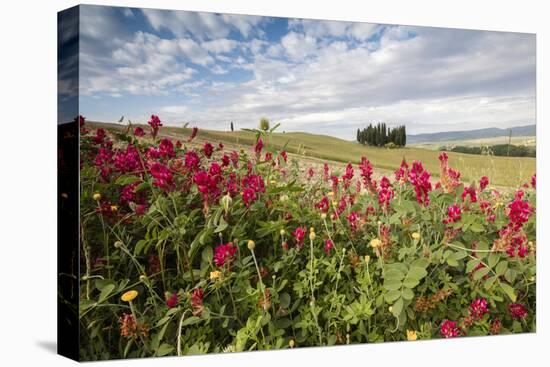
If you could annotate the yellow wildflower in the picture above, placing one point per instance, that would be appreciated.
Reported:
(411, 335)
(375, 242)
(97, 196)
(415, 235)
(129, 296)
(215, 275)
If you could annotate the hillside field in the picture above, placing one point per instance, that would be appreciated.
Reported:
(503, 171)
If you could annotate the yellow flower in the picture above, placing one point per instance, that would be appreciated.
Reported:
(330, 193)
(415, 235)
(323, 216)
(129, 296)
(367, 259)
(114, 208)
(251, 245)
(291, 343)
(273, 182)
(282, 232)
(411, 335)
(215, 275)
(375, 242)
(312, 236)
(97, 196)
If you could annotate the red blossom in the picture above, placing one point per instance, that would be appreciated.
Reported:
(192, 160)
(325, 172)
(162, 176)
(453, 214)
(328, 246)
(208, 149)
(478, 308)
(420, 179)
(194, 132)
(449, 329)
(258, 147)
(172, 301)
(224, 254)
(323, 205)
(534, 181)
(483, 182)
(138, 131)
(155, 124)
(517, 311)
(401, 175)
(353, 219)
(197, 301)
(299, 234)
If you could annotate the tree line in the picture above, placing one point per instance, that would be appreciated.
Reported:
(379, 135)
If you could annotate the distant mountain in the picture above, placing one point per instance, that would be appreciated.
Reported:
(491, 132)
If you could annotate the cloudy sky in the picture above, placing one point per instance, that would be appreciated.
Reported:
(310, 75)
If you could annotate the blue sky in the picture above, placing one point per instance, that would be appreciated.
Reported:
(318, 76)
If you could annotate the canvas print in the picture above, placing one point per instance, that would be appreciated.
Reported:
(234, 183)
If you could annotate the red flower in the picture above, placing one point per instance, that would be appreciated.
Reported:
(385, 193)
(208, 149)
(517, 311)
(258, 147)
(299, 234)
(310, 173)
(162, 176)
(448, 329)
(224, 254)
(194, 132)
(323, 205)
(478, 308)
(471, 192)
(346, 178)
(420, 179)
(192, 160)
(353, 219)
(453, 214)
(519, 210)
(155, 123)
(284, 155)
(99, 136)
(138, 131)
(483, 182)
(328, 246)
(197, 301)
(534, 181)
(325, 172)
(172, 301)
(401, 175)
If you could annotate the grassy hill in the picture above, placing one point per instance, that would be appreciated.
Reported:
(492, 132)
(502, 171)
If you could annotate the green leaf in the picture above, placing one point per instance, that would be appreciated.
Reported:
(477, 227)
(417, 273)
(392, 284)
(470, 265)
(127, 179)
(501, 268)
(105, 292)
(480, 273)
(509, 291)
(191, 320)
(221, 226)
(284, 299)
(397, 307)
(410, 282)
(493, 259)
(391, 296)
(394, 274)
(408, 294)
(164, 349)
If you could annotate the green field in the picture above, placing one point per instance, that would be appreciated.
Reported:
(529, 141)
(503, 171)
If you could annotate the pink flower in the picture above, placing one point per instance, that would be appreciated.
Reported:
(258, 147)
(197, 301)
(323, 205)
(453, 214)
(162, 176)
(284, 155)
(483, 182)
(353, 219)
(194, 132)
(471, 192)
(420, 179)
(517, 311)
(328, 246)
(155, 123)
(534, 181)
(401, 175)
(172, 301)
(224, 254)
(478, 308)
(310, 172)
(448, 329)
(138, 131)
(519, 210)
(192, 160)
(366, 173)
(385, 193)
(325, 172)
(334, 184)
(299, 234)
(346, 178)
(207, 149)
(99, 136)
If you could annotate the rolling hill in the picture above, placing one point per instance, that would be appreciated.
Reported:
(492, 132)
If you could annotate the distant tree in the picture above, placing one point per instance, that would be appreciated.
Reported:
(232, 126)
(381, 135)
(264, 124)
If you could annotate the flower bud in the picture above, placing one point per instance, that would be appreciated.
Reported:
(291, 343)
(415, 236)
(312, 236)
(390, 308)
(143, 278)
(251, 245)
(323, 216)
(226, 202)
(97, 196)
(282, 232)
(118, 244)
(114, 208)
(375, 242)
(367, 259)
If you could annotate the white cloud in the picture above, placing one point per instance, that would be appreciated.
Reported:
(221, 45)
(298, 46)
